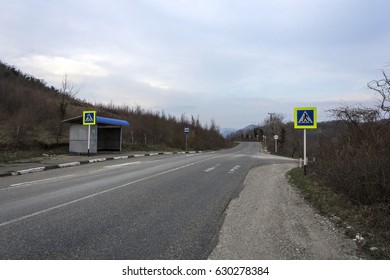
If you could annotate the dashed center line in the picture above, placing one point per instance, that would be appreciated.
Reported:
(211, 168)
(234, 169)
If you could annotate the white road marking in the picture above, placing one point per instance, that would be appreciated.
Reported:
(37, 182)
(234, 169)
(99, 193)
(209, 169)
(122, 164)
(212, 168)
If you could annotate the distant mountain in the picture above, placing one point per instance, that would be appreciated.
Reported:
(249, 127)
(228, 131)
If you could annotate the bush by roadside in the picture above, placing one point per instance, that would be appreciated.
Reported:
(367, 225)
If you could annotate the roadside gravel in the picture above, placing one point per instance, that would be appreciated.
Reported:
(270, 220)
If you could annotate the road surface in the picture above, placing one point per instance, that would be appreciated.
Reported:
(164, 207)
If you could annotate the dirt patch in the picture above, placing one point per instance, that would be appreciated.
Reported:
(270, 220)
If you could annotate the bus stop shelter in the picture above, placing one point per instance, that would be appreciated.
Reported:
(106, 135)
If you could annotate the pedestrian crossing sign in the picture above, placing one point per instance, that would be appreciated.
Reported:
(89, 117)
(305, 118)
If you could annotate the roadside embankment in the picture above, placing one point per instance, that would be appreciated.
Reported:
(271, 220)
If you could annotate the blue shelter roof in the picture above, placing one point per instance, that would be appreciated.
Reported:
(103, 120)
(99, 120)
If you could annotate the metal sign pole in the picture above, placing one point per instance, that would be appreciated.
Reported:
(305, 118)
(89, 138)
(186, 132)
(276, 146)
(304, 153)
(276, 137)
(89, 118)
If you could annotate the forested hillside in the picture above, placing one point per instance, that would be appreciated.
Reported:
(31, 114)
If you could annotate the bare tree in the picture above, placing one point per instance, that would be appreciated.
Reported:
(68, 91)
(356, 115)
(382, 86)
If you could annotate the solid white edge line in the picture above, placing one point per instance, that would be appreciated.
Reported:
(122, 164)
(29, 183)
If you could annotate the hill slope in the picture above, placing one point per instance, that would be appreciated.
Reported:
(31, 114)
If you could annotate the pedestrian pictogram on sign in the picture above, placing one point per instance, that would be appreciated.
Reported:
(305, 118)
(89, 117)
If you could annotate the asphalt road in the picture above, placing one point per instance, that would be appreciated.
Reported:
(163, 207)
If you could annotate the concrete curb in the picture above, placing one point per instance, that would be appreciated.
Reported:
(76, 163)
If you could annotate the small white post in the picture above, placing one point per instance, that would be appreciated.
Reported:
(276, 146)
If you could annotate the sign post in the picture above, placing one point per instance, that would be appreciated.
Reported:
(276, 137)
(89, 118)
(305, 118)
(186, 132)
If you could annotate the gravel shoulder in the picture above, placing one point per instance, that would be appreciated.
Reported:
(270, 220)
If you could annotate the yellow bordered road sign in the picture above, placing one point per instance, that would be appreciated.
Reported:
(305, 118)
(89, 117)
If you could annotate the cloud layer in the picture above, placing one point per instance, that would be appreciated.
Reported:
(231, 61)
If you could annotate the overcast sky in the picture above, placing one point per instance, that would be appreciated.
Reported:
(227, 60)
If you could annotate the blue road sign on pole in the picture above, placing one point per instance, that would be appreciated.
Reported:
(89, 117)
(305, 118)
(186, 132)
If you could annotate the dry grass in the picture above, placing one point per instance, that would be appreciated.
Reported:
(368, 225)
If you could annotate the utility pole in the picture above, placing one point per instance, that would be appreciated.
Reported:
(270, 117)
(272, 123)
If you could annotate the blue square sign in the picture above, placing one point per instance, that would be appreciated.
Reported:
(305, 118)
(89, 117)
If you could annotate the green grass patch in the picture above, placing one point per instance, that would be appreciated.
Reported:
(367, 224)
